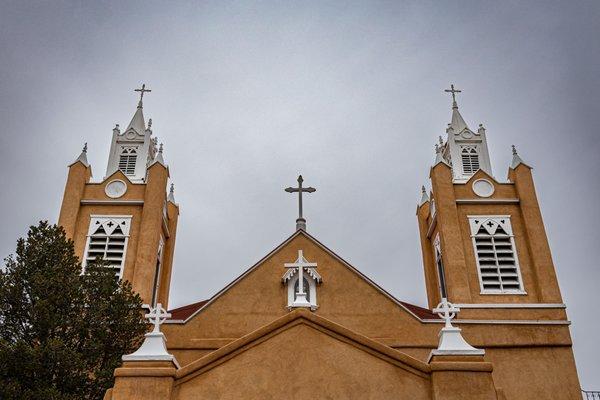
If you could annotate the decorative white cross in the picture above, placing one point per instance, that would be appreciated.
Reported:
(157, 316)
(447, 311)
(300, 264)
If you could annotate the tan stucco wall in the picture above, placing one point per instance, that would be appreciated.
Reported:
(301, 363)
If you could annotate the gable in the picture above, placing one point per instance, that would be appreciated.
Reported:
(308, 356)
(258, 297)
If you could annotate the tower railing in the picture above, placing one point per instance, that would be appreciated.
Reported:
(591, 394)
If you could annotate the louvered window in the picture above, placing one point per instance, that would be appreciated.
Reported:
(127, 161)
(470, 160)
(497, 260)
(107, 239)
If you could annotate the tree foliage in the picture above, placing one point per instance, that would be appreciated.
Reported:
(62, 333)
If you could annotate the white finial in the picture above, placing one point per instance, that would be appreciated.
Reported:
(516, 160)
(157, 316)
(150, 123)
(447, 311)
(154, 347)
(171, 196)
(451, 340)
(160, 148)
(424, 196)
(84, 147)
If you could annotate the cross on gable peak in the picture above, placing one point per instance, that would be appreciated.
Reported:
(300, 221)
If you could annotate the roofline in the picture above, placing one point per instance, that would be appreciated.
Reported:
(276, 249)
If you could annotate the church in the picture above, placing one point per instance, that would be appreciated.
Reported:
(303, 323)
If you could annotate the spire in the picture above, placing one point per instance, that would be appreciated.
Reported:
(83, 156)
(171, 196)
(516, 160)
(424, 196)
(458, 124)
(137, 122)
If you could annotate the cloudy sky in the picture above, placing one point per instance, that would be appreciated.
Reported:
(246, 95)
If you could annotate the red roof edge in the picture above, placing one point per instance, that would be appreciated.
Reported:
(182, 313)
(420, 312)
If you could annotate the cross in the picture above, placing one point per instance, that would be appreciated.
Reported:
(300, 222)
(447, 311)
(142, 90)
(453, 91)
(301, 263)
(157, 316)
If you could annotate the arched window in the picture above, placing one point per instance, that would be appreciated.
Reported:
(470, 160)
(306, 287)
(127, 161)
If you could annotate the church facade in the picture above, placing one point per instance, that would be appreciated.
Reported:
(304, 323)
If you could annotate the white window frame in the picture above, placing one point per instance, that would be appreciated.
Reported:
(470, 150)
(507, 226)
(105, 219)
(437, 254)
(128, 151)
(158, 271)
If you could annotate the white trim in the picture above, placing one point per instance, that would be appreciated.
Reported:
(432, 226)
(500, 321)
(112, 196)
(512, 305)
(487, 201)
(112, 202)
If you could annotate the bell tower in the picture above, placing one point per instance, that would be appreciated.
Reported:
(483, 240)
(127, 218)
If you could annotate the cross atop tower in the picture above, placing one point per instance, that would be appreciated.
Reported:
(300, 222)
(142, 90)
(453, 91)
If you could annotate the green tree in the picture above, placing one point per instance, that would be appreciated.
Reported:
(62, 333)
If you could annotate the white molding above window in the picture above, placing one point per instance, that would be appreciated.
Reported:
(496, 255)
(107, 238)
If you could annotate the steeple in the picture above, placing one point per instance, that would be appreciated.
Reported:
(465, 150)
(133, 149)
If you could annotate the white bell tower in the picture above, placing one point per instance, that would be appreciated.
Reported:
(465, 151)
(132, 150)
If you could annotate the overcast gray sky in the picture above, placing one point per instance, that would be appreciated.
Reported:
(245, 95)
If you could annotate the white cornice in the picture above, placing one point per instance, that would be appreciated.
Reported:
(113, 202)
(512, 305)
(500, 321)
(487, 201)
